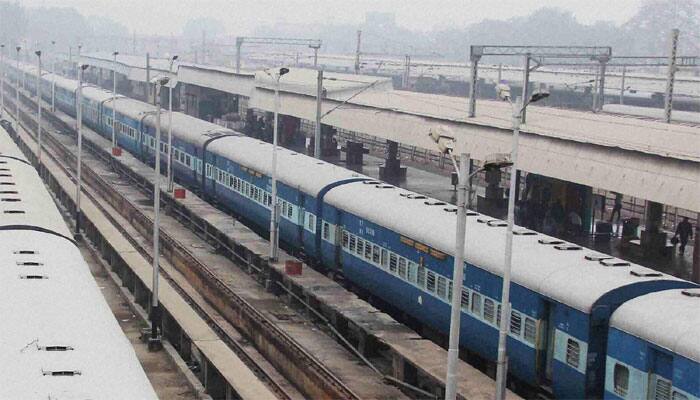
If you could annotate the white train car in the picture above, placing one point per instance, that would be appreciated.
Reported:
(58, 337)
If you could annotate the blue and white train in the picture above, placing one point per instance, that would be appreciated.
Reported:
(398, 245)
(60, 339)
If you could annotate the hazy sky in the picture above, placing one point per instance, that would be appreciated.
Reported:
(241, 16)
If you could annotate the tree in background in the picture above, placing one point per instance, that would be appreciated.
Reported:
(648, 32)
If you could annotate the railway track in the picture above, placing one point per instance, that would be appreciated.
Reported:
(289, 357)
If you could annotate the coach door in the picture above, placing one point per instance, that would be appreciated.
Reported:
(546, 358)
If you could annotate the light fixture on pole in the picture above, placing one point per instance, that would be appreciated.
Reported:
(170, 127)
(274, 212)
(444, 141)
(114, 104)
(18, 48)
(79, 123)
(154, 342)
(38, 103)
(53, 77)
(2, 78)
(80, 67)
(519, 106)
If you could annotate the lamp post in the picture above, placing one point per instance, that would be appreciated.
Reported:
(38, 103)
(154, 340)
(519, 107)
(2, 78)
(80, 68)
(79, 123)
(274, 212)
(445, 143)
(170, 127)
(19, 48)
(114, 103)
(53, 77)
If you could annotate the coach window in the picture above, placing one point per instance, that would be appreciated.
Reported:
(621, 379)
(430, 282)
(403, 264)
(376, 254)
(516, 323)
(476, 303)
(679, 396)
(489, 310)
(573, 353)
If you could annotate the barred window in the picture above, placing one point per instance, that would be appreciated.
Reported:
(290, 211)
(476, 303)
(402, 267)
(393, 262)
(345, 239)
(368, 251)
(530, 331)
(375, 254)
(489, 310)
(326, 231)
(421, 277)
(385, 255)
(465, 299)
(573, 352)
(412, 272)
(360, 247)
(449, 290)
(442, 287)
(430, 282)
(515, 323)
(679, 396)
(352, 243)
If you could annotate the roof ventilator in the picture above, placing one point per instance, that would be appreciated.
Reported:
(597, 257)
(9, 192)
(33, 277)
(648, 274)
(25, 252)
(371, 182)
(414, 196)
(614, 263)
(29, 263)
(384, 187)
(550, 241)
(434, 203)
(5, 175)
(568, 246)
(451, 209)
(10, 200)
(7, 183)
(61, 373)
(13, 212)
(56, 348)
(691, 292)
(524, 232)
(494, 223)
(472, 214)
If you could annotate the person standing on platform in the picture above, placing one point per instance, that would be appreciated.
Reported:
(617, 208)
(684, 231)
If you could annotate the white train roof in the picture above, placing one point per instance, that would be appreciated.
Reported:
(61, 306)
(8, 148)
(294, 169)
(189, 128)
(669, 319)
(24, 201)
(563, 275)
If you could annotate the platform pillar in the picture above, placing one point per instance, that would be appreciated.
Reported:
(493, 203)
(392, 169)
(653, 240)
(696, 253)
(354, 152)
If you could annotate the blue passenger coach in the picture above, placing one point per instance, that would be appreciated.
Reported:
(654, 348)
